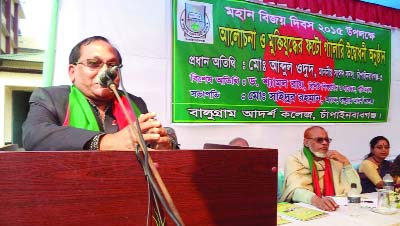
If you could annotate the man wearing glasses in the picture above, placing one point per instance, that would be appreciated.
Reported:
(87, 115)
(316, 173)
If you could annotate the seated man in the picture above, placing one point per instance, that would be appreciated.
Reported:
(238, 141)
(87, 115)
(315, 173)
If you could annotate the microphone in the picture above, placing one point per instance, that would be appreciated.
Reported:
(107, 77)
(156, 185)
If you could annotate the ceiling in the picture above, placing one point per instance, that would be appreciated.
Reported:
(388, 3)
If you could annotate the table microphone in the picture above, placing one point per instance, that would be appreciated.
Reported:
(107, 77)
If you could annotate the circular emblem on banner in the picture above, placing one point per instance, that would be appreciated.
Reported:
(194, 24)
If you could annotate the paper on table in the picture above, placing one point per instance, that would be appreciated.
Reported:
(298, 212)
(368, 203)
(281, 221)
(340, 200)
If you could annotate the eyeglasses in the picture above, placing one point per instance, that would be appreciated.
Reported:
(96, 64)
(382, 147)
(320, 140)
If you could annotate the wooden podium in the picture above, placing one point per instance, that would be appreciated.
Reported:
(209, 187)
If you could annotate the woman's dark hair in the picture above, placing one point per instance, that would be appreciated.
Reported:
(76, 51)
(395, 169)
(373, 142)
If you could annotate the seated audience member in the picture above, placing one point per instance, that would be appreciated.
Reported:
(173, 137)
(315, 173)
(374, 166)
(395, 172)
(238, 141)
(87, 115)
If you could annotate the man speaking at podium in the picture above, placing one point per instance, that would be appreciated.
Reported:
(87, 115)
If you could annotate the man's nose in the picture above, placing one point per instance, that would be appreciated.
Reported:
(104, 66)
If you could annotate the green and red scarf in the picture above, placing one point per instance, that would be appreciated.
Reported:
(329, 188)
(80, 115)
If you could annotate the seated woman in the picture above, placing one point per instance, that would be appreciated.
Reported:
(374, 166)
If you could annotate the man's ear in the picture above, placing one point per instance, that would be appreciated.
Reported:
(71, 72)
(306, 142)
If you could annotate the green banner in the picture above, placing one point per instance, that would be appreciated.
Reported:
(245, 62)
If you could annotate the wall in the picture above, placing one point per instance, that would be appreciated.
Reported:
(8, 83)
(142, 32)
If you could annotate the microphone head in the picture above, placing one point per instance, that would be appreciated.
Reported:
(107, 77)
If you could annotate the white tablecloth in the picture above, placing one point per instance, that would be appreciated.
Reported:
(342, 217)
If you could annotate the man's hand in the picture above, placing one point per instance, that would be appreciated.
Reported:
(124, 140)
(332, 154)
(324, 203)
(127, 139)
(163, 142)
(150, 125)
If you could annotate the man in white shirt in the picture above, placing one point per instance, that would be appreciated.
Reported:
(315, 173)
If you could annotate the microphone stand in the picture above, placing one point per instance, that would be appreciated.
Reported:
(135, 130)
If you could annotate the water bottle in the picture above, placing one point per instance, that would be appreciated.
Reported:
(354, 200)
(388, 183)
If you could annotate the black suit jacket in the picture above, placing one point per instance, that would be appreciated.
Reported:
(43, 130)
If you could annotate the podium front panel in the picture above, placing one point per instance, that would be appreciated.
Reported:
(208, 187)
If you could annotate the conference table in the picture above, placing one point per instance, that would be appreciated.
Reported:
(342, 217)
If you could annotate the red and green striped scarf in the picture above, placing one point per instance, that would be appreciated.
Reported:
(329, 188)
(80, 114)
